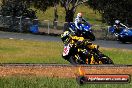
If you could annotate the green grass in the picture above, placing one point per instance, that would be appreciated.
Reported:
(24, 51)
(119, 56)
(18, 51)
(45, 82)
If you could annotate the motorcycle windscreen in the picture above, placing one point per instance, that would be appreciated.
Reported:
(85, 27)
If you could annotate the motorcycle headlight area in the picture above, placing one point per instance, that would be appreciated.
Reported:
(126, 33)
(125, 30)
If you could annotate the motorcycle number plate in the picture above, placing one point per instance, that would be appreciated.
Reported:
(66, 50)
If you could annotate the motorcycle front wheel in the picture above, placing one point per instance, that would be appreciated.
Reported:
(106, 60)
(75, 61)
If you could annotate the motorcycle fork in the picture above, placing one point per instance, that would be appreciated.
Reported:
(77, 58)
(95, 61)
(100, 62)
(85, 58)
(92, 60)
(87, 61)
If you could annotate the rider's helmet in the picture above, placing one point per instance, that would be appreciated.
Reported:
(79, 15)
(117, 22)
(66, 36)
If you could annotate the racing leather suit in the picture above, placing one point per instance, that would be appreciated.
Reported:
(79, 21)
(81, 40)
(118, 27)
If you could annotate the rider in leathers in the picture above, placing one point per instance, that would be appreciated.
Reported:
(118, 26)
(67, 38)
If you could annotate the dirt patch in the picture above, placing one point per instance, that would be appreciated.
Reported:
(60, 71)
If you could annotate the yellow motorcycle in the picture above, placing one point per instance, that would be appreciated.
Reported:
(78, 50)
(79, 54)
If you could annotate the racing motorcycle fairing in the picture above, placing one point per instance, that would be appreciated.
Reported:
(84, 31)
(125, 34)
(83, 55)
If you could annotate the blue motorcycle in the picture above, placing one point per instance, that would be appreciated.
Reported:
(84, 31)
(125, 34)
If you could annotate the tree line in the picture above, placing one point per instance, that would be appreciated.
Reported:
(113, 9)
(109, 9)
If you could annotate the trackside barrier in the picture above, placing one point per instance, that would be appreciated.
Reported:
(20, 24)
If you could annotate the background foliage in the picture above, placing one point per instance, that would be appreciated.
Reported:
(110, 10)
(113, 9)
(16, 8)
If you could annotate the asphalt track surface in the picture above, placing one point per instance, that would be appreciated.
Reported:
(28, 36)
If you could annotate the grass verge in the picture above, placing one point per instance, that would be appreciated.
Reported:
(45, 82)
(24, 51)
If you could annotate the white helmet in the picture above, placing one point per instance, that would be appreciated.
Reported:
(117, 21)
(79, 15)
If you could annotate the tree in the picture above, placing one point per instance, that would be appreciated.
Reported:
(55, 13)
(113, 9)
(17, 11)
(40, 4)
(16, 8)
(70, 8)
(43, 5)
(69, 5)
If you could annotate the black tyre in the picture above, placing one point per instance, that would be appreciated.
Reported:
(73, 61)
(122, 40)
(106, 60)
(81, 80)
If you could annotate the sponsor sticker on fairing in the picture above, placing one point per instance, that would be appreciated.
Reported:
(66, 50)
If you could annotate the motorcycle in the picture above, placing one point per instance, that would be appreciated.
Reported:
(84, 31)
(76, 54)
(125, 34)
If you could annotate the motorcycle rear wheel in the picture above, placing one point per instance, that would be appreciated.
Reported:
(74, 61)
